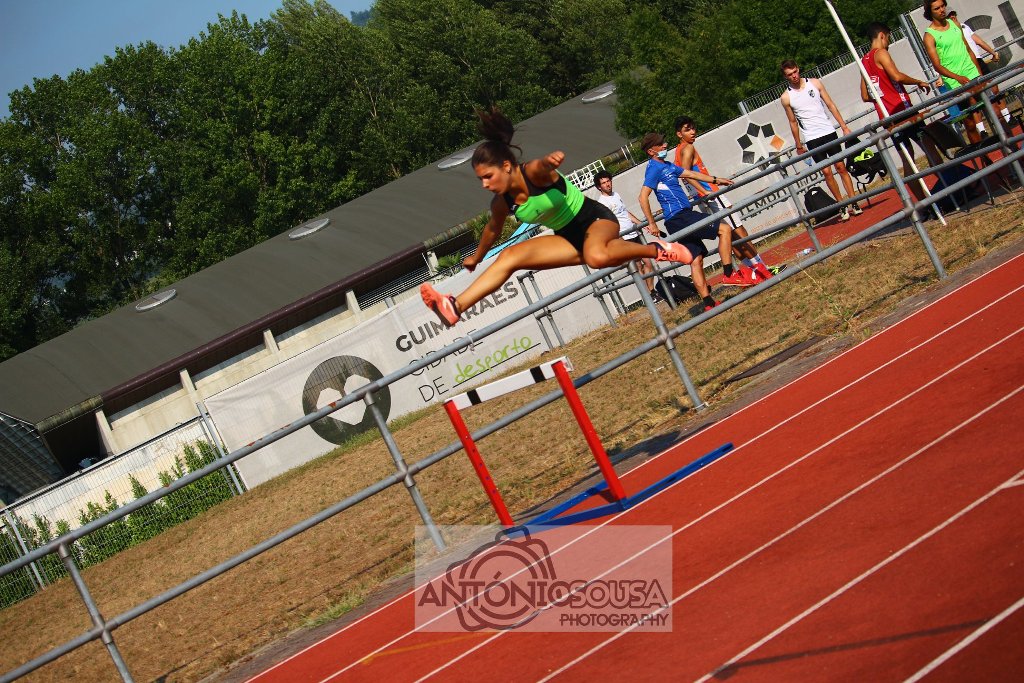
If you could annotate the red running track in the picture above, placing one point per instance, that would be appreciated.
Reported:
(867, 526)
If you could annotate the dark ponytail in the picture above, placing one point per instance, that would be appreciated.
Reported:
(498, 131)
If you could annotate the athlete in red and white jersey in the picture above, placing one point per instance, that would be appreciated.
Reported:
(753, 267)
(889, 81)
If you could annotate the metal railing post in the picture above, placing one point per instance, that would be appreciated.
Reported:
(910, 31)
(545, 313)
(94, 613)
(403, 469)
(616, 297)
(236, 485)
(796, 204)
(656, 272)
(1001, 133)
(911, 210)
(543, 330)
(666, 338)
(35, 573)
(600, 297)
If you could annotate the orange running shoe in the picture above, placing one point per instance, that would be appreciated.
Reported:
(762, 270)
(443, 305)
(672, 251)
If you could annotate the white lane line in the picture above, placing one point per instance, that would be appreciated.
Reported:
(850, 584)
(766, 479)
(982, 630)
(876, 338)
(850, 350)
(796, 527)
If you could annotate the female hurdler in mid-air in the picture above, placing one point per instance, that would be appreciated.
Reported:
(535, 192)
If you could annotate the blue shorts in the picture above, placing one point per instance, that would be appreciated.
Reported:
(695, 240)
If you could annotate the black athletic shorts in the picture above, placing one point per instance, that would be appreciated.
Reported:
(821, 142)
(576, 230)
(695, 240)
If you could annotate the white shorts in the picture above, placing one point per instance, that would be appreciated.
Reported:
(722, 201)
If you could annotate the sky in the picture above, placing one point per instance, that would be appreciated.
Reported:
(40, 38)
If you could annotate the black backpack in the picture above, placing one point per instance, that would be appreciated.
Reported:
(816, 198)
(964, 196)
(868, 163)
(680, 287)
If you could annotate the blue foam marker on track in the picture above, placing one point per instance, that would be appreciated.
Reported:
(554, 518)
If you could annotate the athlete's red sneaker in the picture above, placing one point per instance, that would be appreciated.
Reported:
(751, 275)
(671, 251)
(737, 279)
(762, 271)
(708, 308)
(442, 304)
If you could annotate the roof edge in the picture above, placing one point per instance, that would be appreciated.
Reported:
(176, 364)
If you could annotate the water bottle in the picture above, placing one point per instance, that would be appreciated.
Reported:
(806, 251)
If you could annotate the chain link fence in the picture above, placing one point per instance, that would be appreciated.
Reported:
(92, 493)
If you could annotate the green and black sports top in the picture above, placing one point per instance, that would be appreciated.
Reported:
(554, 206)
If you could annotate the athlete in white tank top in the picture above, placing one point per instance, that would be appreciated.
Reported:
(808, 106)
(810, 111)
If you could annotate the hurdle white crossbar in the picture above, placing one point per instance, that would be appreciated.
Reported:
(506, 385)
(557, 369)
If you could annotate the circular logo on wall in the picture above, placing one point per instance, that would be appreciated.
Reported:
(334, 379)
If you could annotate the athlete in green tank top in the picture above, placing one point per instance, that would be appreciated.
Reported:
(952, 58)
(953, 53)
(586, 231)
(554, 206)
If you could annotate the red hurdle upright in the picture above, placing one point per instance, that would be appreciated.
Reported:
(559, 369)
(497, 502)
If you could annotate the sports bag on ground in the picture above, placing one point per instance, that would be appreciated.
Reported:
(964, 196)
(816, 198)
(680, 287)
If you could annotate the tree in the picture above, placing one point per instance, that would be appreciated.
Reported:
(727, 52)
(78, 181)
(159, 162)
(470, 56)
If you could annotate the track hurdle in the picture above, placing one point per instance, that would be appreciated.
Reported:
(559, 369)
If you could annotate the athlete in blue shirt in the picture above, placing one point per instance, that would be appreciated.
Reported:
(662, 178)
